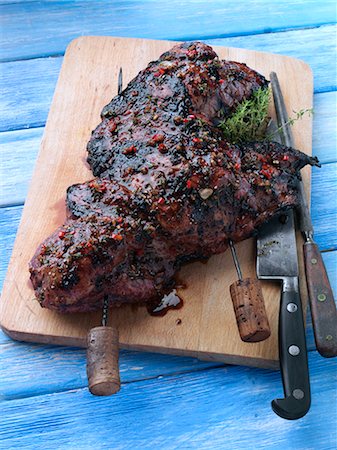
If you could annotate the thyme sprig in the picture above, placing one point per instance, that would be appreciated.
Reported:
(249, 121)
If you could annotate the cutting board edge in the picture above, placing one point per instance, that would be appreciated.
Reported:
(80, 39)
(66, 341)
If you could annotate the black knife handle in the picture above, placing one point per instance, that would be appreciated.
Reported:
(322, 304)
(293, 356)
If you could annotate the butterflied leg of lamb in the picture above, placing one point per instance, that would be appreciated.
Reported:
(170, 188)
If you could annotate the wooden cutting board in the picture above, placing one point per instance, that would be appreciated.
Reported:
(205, 327)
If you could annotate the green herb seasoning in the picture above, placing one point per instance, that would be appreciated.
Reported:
(249, 120)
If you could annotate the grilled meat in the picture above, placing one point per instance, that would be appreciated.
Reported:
(170, 189)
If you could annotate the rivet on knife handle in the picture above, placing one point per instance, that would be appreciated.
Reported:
(322, 305)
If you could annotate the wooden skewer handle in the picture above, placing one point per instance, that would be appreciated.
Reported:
(250, 311)
(102, 361)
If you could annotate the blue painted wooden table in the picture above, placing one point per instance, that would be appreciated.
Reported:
(166, 402)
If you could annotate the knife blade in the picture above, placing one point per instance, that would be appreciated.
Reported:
(321, 299)
(277, 260)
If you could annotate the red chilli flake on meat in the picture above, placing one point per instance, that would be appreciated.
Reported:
(196, 140)
(130, 150)
(97, 187)
(62, 234)
(159, 72)
(237, 166)
(116, 237)
(162, 148)
(191, 54)
(189, 118)
(192, 182)
(285, 158)
(266, 173)
(221, 81)
(43, 249)
(112, 126)
(157, 138)
(161, 201)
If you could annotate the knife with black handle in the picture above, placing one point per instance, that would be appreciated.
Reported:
(277, 260)
(322, 304)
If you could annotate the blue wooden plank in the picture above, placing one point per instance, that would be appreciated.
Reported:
(27, 91)
(28, 105)
(300, 44)
(9, 222)
(51, 25)
(4, 339)
(324, 139)
(324, 205)
(18, 149)
(224, 408)
(66, 368)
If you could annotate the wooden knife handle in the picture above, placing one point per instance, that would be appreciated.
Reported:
(322, 304)
(102, 361)
(250, 312)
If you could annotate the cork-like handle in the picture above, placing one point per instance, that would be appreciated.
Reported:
(102, 361)
(322, 304)
(250, 311)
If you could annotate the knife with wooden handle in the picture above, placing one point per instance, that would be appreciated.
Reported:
(322, 304)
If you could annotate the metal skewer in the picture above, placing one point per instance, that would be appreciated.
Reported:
(102, 343)
(248, 303)
(235, 259)
(120, 81)
(105, 312)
